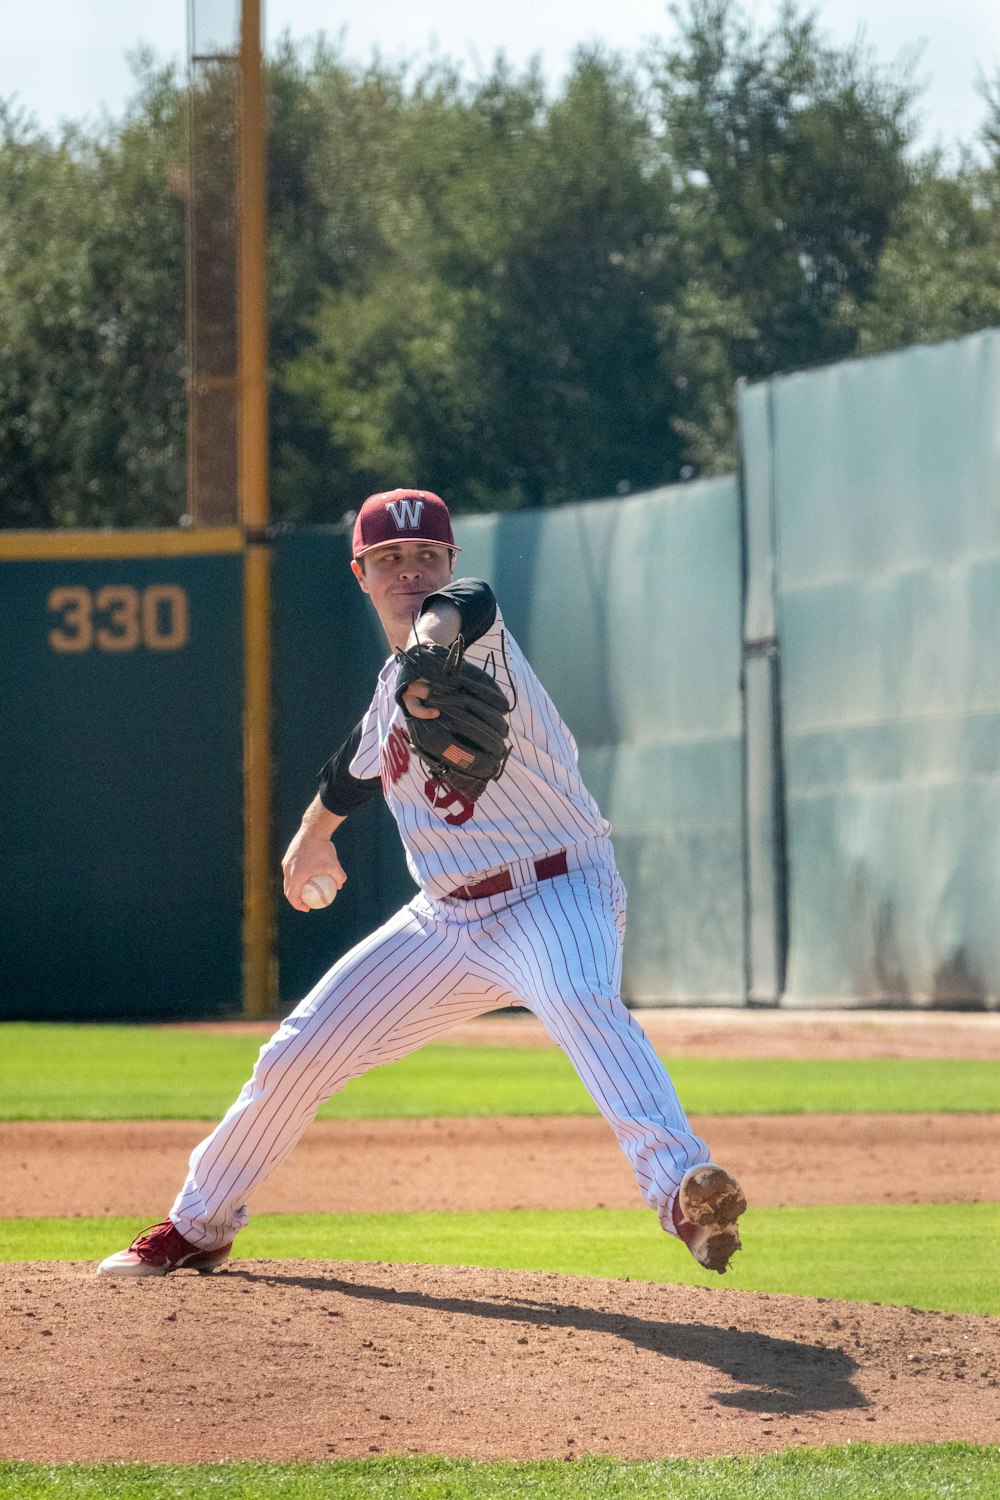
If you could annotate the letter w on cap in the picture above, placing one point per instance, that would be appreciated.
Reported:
(406, 513)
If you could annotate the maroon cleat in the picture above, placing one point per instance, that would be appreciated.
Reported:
(159, 1250)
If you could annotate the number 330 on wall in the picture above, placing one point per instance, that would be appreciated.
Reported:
(119, 617)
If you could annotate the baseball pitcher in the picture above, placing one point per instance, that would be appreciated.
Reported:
(519, 902)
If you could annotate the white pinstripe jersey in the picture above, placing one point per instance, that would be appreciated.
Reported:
(538, 806)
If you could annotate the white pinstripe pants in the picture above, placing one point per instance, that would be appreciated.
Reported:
(554, 946)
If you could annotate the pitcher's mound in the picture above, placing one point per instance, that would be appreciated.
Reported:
(316, 1359)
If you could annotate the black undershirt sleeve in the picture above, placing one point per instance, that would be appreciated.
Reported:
(475, 602)
(339, 791)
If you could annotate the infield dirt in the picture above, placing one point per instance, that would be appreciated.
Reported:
(312, 1360)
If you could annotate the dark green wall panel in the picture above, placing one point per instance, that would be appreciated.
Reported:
(328, 650)
(121, 796)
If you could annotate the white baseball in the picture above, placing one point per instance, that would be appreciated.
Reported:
(319, 891)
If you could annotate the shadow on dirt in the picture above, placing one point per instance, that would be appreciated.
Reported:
(775, 1375)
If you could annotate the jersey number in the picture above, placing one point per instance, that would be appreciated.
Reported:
(441, 796)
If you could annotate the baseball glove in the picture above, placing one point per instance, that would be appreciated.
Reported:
(466, 745)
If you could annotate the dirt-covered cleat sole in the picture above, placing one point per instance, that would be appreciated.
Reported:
(160, 1250)
(708, 1204)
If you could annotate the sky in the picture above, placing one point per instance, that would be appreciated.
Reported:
(66, 59)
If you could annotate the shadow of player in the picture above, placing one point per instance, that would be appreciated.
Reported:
(773, 1374)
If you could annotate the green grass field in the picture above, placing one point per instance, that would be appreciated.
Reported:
(900, 1253)
(862, 1471)
(143, 1073)
(893, 1254)
(876, 1253)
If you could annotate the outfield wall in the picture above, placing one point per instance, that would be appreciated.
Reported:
(785, 689)
(328, 649)
(629, 612)
(121, 840)
(873, 512)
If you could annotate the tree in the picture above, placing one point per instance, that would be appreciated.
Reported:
(516, 296)
(92, 406)
(333, 168)
(507, 346)
(939, 275)
(791, 165)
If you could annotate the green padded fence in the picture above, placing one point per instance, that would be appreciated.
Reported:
(873, 489)
(629, 611)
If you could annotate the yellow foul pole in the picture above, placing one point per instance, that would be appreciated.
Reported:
(259, 969)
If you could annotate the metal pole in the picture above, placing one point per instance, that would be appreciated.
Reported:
(259, 969)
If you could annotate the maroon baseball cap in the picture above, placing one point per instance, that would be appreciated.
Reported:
(402, 516)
